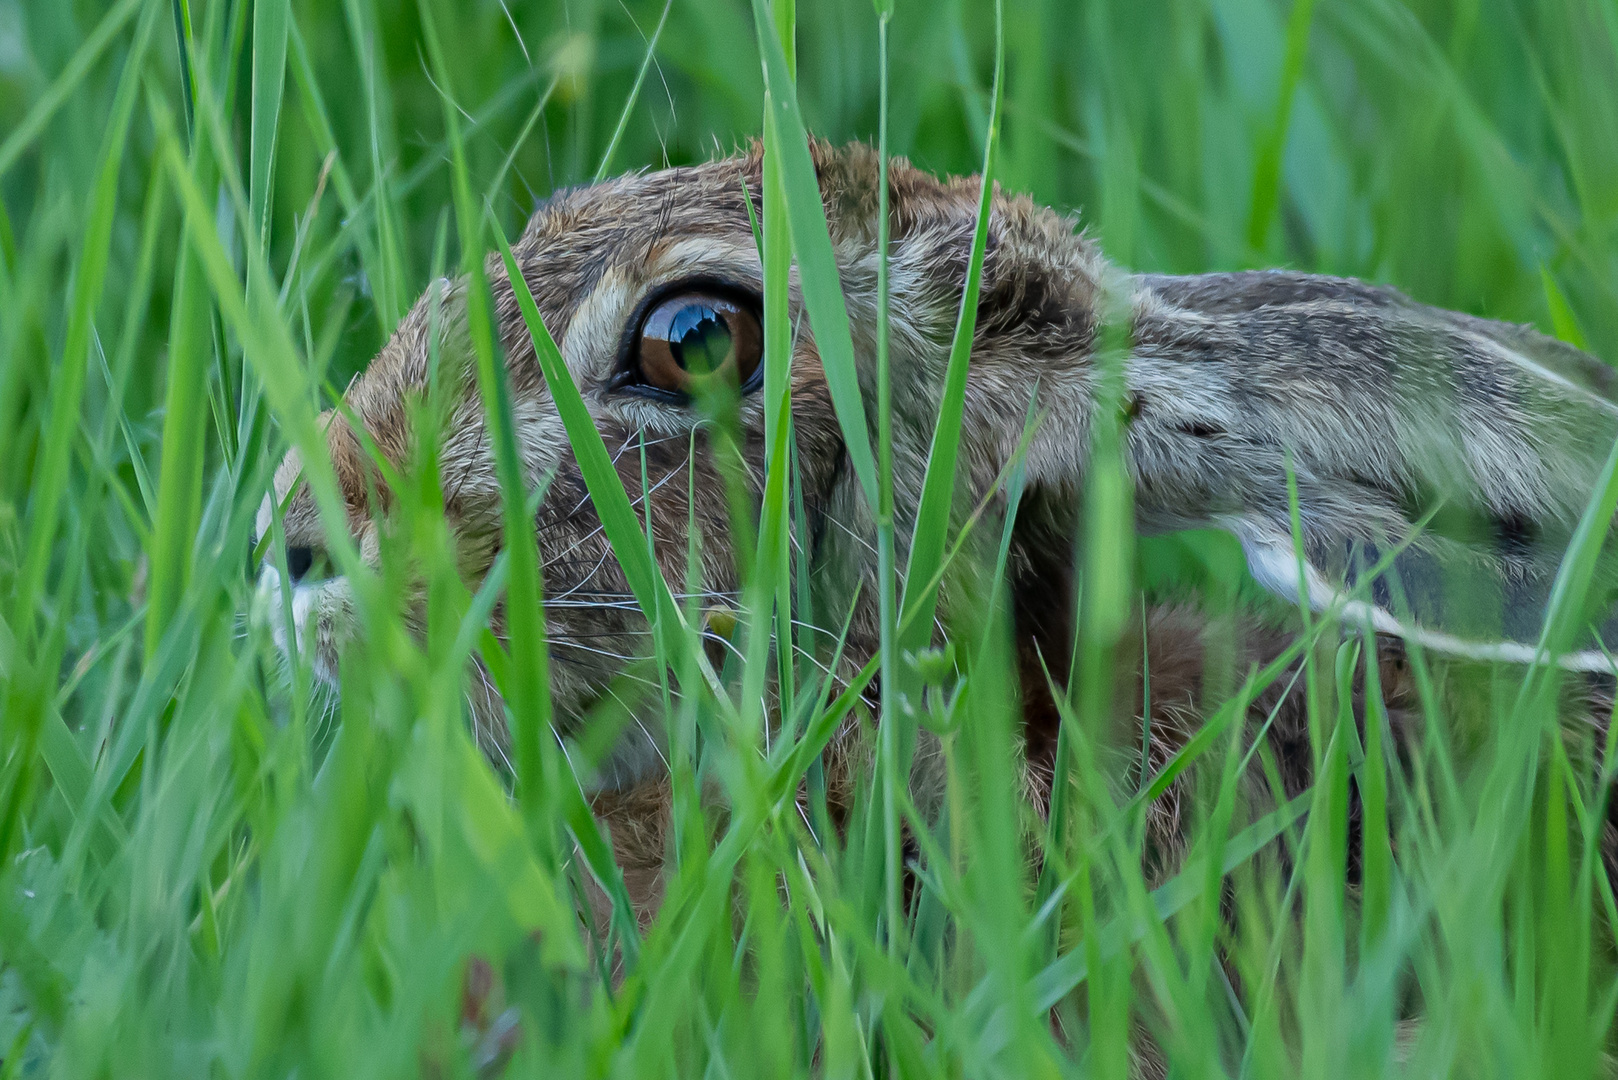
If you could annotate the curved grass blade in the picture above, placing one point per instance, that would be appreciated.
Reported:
(634, 95)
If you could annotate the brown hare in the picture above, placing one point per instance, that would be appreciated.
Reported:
(1466, 445)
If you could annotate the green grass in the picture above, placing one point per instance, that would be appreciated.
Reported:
(210, 866)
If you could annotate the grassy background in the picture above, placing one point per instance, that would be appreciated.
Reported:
(212, 868)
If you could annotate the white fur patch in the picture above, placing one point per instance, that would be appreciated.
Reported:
(1274, 565)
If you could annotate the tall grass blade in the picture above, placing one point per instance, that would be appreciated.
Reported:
(811, 243)
(938, 489)
(528, 681)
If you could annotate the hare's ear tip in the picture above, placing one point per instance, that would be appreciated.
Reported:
(1456, 602)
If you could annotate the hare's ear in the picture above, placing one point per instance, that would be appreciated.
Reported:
(1440, 461)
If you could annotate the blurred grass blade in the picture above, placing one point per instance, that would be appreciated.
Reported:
(538, 771)
(493, 832)
(389, 285)
(51, 474)
(72, 76)
(179, 477)
(270, 19)
(1267, 168)
(274, 356)
(191, 341)
(269, 44)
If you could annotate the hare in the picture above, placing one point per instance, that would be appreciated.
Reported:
(1448, 443)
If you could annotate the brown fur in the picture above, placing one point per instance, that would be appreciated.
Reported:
(1380, 408)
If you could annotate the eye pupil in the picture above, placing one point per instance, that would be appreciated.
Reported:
(702, 346)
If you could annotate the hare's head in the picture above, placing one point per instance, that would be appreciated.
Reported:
(1380, 409)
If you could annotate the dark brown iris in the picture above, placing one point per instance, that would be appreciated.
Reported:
(696, 341)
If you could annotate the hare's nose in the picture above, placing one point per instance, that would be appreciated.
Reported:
(300, 561)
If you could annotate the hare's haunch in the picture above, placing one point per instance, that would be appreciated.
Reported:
(1450, 448)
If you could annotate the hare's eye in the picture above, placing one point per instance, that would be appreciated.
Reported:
(695, 341)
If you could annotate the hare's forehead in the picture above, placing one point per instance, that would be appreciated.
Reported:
(682, 198)
(602, 251)
(634, 221)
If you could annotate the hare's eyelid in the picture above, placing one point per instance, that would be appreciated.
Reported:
(623, 382)
(627, 381)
